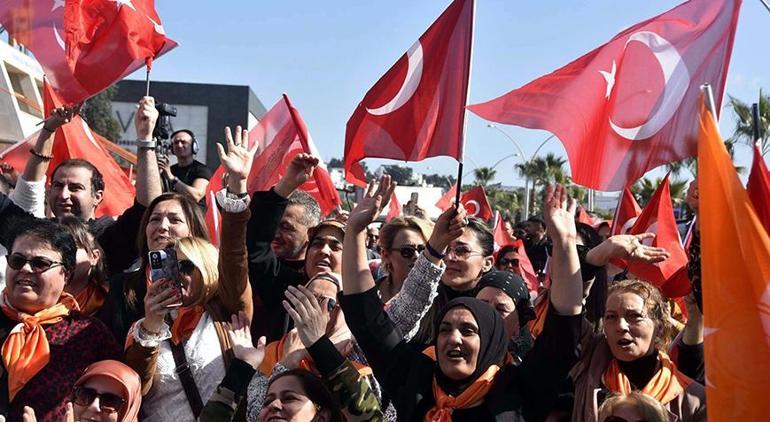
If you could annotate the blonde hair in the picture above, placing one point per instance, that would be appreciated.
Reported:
(654, 305)
(389, 231)
(206, 258)
(649, 409)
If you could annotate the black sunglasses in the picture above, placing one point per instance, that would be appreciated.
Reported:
(506, 262)
(108, 402)
(409, 252)
(186, 266)
(38, 264)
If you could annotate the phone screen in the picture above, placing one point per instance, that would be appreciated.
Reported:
(164, 266)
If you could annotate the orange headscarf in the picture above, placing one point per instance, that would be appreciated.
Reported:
(26, 350)
(446, 404)
(91, 298)
(126, 377)
(666, 385)
(275, 352)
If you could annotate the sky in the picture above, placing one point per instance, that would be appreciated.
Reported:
(326, 55)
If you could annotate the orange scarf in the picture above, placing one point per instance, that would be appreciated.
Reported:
(541, 310)
(666, 385)
(446, 404)
(274, 353)
(26, 350)
(91, 298)
(184, 324)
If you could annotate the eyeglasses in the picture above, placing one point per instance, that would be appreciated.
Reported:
(462, 252)
(186, 266)
(409, 252)
(108, 402)
(38, 264)
(509, 262)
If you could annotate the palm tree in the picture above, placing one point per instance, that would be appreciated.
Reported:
(543, 171)
(645, 188)
(743, 126)
(484, 175)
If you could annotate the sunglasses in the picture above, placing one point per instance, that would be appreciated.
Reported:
(461, 252)
(409, 252)
(38, 264)
(108, 402)
(509, 262)
(186, 266)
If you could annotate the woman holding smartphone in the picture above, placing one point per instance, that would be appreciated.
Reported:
(180, 349)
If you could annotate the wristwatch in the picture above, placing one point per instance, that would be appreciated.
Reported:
(231, 195)
(146, 144)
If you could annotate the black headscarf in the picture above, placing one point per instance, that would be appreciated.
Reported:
(515, 287)
(492, 347)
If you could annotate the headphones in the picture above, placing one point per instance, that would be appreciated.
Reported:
(194, 143)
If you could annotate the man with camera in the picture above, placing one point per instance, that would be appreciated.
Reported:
(188, 176)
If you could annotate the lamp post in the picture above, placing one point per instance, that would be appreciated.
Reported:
(524, 162)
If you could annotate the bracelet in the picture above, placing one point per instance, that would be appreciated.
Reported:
(49, 130)
(434, 253)
(40, 156)
(145, 144)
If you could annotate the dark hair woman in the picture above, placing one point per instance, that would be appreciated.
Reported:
(298, 395)
(468, 380)
(88, 283)
(46, 343)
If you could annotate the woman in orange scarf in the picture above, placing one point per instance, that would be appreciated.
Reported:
(88, 283)
(630, 356)
(469, 380)
(46, 341)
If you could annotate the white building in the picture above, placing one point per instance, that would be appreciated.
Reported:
(21, 94)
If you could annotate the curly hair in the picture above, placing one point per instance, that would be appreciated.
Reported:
(654, 306)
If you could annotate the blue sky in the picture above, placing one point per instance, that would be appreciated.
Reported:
(326, 55)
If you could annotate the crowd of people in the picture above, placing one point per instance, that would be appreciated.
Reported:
(301, 317)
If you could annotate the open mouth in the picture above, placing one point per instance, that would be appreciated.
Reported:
(324, 264)
(624, 342)
(455, 355)
(26, 283)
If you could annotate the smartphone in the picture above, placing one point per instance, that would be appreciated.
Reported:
(164, 266)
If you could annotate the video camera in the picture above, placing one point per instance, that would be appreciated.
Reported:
(163, 128)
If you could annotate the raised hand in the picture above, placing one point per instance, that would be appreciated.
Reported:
(240, 337)
(449, 226)
(310, 316)
(145, 118)
(60, 116)
(559, 213)
(238, 158)
(300, 170)
(371, 205)
(626, 246)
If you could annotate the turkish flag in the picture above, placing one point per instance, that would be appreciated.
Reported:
(627, 106)
(502, 237)
(526, 269)
(87, 45)
(758, 188)
(658, 217)
(76, 140)
(417, 109)
(281, 135)
(584, 217)
(476, 203)
(448, 199)
(394, 208)
(625, 211)
(736, 287)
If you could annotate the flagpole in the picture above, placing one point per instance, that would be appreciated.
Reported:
(147, 82)
(766, 4)
(465, 110)
(709, 98)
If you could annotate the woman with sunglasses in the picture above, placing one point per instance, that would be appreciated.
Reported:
(469, 380)
(46, 342)
(180, 348)
(402, 240)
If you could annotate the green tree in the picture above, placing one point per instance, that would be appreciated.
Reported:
(335, 163)
(644, 189)
(97, 112)
(484, 175)
(400, 174)
(743, 131)
(439, 180)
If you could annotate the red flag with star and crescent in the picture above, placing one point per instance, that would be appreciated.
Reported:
(625, 211)
(474, 200)
(658, 217)
(87, 45)
(417, 109)
(627, 106)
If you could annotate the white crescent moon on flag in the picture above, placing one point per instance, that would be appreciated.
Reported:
(476, 207)
(412, 80)
(58, 37)
(676, 79)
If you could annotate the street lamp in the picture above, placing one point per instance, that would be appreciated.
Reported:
(524, 162)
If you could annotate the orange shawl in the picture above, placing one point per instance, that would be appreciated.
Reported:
(91, 298)
(184, 324)
(446, 404)
(666, 385)
(274, 353)
(26, 351)
(541, 310)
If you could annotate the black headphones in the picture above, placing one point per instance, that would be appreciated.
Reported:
(194, 144)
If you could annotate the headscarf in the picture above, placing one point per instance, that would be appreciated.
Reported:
(126, 377)
(515, 287)
(493, 342)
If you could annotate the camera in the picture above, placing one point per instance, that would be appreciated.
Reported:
(163, 129)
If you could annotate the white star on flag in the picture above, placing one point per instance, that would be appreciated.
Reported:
(57, 4)
(121, 3)
(610, 78)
